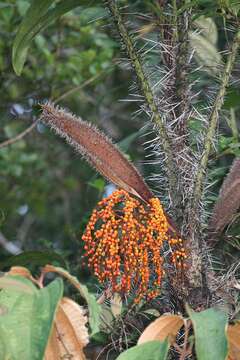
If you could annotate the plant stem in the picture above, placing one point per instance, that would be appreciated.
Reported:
(173, 34)
(149, 96)
(213, 119)
(198, 274)
(175, 21)
(77, 88)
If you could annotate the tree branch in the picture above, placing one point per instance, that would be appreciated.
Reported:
(198, 264)
(19, 136)
(148, 94)
(213, 119)
(77, 88)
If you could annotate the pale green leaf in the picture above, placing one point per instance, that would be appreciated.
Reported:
(206, 53)
(210, 333)
(208, 29)
(204, 43)
(26, 321)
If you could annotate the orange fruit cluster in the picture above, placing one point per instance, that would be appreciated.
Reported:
(124, 241)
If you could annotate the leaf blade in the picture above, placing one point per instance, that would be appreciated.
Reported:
(28, 314)
(39, 258)
(38, 17)
(210, 333)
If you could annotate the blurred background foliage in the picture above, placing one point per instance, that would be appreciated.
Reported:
(47, 191)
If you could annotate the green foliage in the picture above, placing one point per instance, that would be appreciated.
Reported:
(31, 189)
(211, 7)
(152, 350)
(26, 318)
(210, 333)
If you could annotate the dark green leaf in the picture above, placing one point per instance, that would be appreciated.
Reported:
(39, 258)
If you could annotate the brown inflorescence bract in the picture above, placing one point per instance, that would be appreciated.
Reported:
(124, 242)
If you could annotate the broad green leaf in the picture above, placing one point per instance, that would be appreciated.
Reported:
(152, 350)
(16, 283)
(210, 333)
(39, 16)
(93, 306)
(39, 258)
(26, 322)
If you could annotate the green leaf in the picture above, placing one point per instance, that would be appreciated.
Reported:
(210, 333)
(94, 310)
(152, 350)
(93, 306)
(97, 184)
(39, 258)
(26, 320)
(39, 16)
(125, 143)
